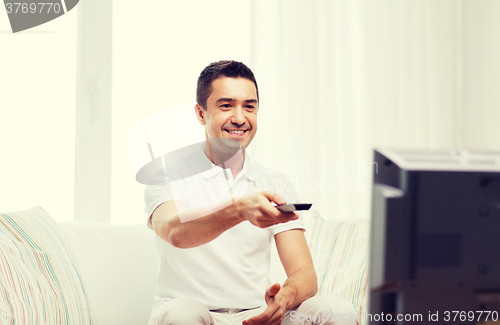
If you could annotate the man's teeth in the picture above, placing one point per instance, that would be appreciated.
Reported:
(235, 132)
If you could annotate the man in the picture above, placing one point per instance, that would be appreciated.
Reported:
(215, 227)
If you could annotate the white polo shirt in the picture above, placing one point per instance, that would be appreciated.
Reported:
(231, 271)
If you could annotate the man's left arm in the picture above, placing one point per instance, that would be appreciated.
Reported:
(300, 284)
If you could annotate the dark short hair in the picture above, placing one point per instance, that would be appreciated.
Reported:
(224, 68)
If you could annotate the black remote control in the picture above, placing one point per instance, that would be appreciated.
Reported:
(294, 207)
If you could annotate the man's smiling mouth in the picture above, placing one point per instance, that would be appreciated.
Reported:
(236, 132)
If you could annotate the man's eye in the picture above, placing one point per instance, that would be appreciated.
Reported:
(250, 107)
(226, 106)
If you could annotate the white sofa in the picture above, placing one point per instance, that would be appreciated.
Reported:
(105, 274)
(118, 267)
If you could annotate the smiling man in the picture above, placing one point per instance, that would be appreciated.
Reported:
(215, 227)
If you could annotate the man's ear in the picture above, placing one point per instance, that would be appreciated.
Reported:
(200, 113)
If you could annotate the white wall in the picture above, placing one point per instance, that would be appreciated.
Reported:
(481, 88)
(37, 116)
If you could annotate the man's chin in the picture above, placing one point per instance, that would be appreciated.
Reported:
(224, 148)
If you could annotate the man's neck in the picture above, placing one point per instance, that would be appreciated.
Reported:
(233, 161)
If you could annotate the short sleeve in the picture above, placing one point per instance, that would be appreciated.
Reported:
(288, 192)
(160, 190)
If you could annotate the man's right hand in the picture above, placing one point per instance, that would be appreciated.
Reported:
(257, 209)
(207, 223)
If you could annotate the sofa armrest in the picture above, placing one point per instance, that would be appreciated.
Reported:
(340, 252)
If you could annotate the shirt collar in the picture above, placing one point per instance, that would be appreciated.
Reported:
(250, 169)
(214, 171)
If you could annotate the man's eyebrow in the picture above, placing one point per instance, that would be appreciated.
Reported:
(226, 99)
(251, 101)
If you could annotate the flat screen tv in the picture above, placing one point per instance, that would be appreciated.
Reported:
(435, 237)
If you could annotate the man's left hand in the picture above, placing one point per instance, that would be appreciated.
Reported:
(276, 308)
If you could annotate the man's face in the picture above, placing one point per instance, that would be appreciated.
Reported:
(231, 111)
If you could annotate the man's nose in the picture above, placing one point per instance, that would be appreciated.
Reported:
(238, 116)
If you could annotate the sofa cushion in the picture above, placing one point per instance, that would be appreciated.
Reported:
(39, 280)
(118, 267)
(339, 249)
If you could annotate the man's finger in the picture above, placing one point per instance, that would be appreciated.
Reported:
(287, 216)
(275, 318)
(271, 211)
(273, 290)
(258, 319)
(273, 197)
(263, 317)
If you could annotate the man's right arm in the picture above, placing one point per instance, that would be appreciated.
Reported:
(207, 223)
